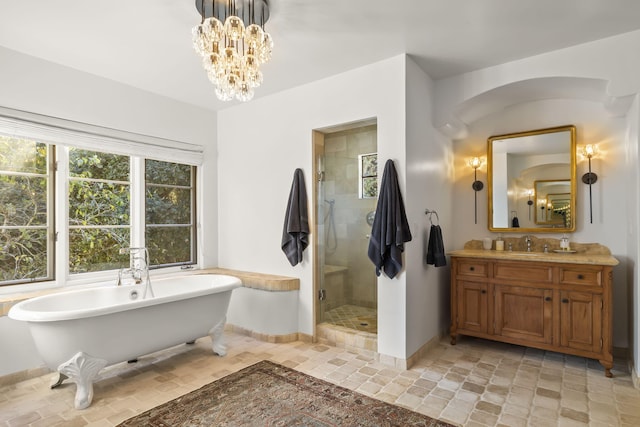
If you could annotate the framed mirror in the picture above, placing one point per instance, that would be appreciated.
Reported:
(531, 179)
(553, 202)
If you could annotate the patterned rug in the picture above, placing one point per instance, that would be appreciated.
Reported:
(268, 394)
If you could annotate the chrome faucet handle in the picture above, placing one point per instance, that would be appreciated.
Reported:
(527, 239)
(119, 281)
(546, 248)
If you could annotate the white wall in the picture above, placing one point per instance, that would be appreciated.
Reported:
(253, 310)
(18, 349)
(429, 182)
(598, 108)
(37, 86)
(633, 225)
(262, 142)
(34, 85)
(260, 145)
(608, 59)
(593, 125)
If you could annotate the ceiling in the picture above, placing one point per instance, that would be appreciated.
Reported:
(147, 43)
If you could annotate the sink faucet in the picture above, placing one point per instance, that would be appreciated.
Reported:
(527, 239)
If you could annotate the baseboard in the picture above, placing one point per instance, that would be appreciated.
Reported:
(305, 338)
(27, 374)
(427, 347)
(621, 353)
(635, 375)
(274, 339)
(413, 359)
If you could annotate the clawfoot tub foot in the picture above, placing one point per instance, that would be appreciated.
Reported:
(217, 338)
(82, 369)
(58, 382)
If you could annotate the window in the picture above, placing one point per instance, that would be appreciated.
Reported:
(26, 214)
(99, 210)
(368, 172)
(113, 201)
(170, 213)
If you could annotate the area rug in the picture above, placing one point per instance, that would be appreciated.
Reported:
(268, 394)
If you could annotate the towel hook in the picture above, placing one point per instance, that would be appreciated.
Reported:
(430, 213)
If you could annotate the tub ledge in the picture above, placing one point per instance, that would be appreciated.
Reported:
(82, 369)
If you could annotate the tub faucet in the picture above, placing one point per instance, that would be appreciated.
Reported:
(119, 281)
(135, 273)
(138, 268)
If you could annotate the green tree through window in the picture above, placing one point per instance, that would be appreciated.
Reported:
(25, 216)
(170, 213)
(99, 210)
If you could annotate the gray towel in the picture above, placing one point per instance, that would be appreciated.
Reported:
(390, 228)
(435, 248)
(295, 233)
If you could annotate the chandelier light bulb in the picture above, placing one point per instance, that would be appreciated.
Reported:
(233, 52)
(254, 35)
(214, 29)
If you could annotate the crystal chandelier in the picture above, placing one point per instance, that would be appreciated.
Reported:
(233, 45)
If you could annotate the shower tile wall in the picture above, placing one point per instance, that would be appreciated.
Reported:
(341, 152)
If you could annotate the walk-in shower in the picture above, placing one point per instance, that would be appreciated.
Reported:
(345, 197)
(330, 237)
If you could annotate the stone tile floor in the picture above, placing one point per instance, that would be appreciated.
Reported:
(475, 383)
(353, 317)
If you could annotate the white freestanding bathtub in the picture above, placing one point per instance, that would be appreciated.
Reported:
(80, 332)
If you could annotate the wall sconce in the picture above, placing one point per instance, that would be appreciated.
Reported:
(529, 202)
(590, 151)
(475, 163)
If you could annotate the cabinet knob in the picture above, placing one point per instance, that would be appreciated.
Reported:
(483, 291)
(547, 298)
(565, 300)
(471, 268)
(580, 276)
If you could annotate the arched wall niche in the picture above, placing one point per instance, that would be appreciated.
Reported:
(535, 89)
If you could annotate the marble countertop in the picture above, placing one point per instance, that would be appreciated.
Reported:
(566, 258)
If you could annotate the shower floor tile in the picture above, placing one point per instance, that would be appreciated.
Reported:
(353, 317)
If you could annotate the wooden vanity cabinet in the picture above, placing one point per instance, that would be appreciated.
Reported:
(548, 305)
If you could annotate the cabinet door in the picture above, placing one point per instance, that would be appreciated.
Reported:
(581, 320)
(524, 313)
(472, 306)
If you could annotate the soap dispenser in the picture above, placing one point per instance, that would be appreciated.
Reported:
(564, 243)
(499, 243)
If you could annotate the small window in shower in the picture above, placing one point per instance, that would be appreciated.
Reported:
(368, 173)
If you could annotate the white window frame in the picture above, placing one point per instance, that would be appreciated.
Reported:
(49, 226)
(63, 134)
(361, 175)
(195, 245)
